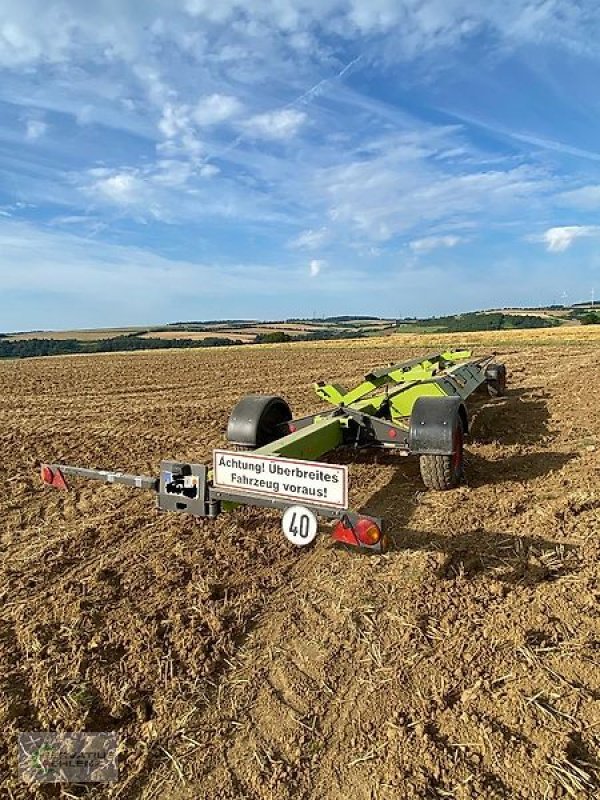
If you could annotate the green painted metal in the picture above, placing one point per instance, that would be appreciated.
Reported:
(401, 403)
(460, 379)
(442, 374)
(309, 443)
(369, 405)
(330, 392)
(416, 371)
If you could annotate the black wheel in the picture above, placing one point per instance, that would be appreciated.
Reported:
(445, 472)
(495, 377)
(257, 420)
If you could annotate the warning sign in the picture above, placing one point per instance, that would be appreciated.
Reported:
(308, 482)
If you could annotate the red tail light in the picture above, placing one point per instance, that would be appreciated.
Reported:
(363, 532)
(367, 531)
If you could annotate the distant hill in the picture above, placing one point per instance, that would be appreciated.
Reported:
(223, 332)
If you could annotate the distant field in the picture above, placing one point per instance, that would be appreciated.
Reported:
(242, 331)
(240, 336)
(264, 327)
(567, 334)
(427, 339)
(86, 335)
(528, 322)
(364, 323)
(562, 315)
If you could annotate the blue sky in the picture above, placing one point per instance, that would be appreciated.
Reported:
(165, 160)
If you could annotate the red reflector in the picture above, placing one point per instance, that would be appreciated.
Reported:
(392, 432)
(344, 533)
(292, 428)
(364, 532)
(59, 481)
(53, 477)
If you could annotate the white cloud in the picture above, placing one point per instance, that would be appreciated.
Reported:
(35, 129)
(397, 183)
(122, 188)
(315, 267)
(177, 126)
(429, 243)
(586, 197)
(176, 190)
(208, 170)
(277, 125)
(175, 119)
(172, 73)
(172, 172)
(310, 239)
(216, 108)
(559, 239)
(36, 30)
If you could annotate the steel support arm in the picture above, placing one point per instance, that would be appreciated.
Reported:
(105, 476)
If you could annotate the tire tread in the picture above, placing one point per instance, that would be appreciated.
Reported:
(437, 472)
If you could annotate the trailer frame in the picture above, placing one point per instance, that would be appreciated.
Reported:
(416, 407)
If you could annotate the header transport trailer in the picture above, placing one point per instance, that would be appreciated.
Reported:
(415, 408)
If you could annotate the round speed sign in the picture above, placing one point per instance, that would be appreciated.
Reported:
(299, 525)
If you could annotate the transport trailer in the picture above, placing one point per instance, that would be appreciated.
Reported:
(416, 407)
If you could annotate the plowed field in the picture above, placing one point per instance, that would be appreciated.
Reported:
(465, 663)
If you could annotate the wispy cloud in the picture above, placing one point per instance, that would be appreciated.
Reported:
(310, 239)
(524, 137)
(281, 124)
(586, 197)
(115, 284)
(559, 239)
(404, 181)
(35, 129)
(429, 243)
(216, 108)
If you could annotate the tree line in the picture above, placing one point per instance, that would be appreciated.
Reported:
(28, 348)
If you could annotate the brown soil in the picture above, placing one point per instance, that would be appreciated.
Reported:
(462, 664)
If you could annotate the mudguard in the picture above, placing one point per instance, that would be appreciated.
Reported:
(432, 425)
(254, 420)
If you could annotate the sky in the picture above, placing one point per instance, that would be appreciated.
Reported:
(165, 160)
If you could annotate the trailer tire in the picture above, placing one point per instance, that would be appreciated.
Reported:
(495, 377)
(443, 472)
(256, 420)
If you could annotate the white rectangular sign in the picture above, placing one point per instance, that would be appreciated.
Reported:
(304, 482)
